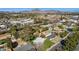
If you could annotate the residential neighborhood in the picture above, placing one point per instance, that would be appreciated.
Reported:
(39, 31)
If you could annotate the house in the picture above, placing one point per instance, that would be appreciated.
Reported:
(26, 47)
(62, 21)
(27, 21)
(39, 41)
(22, 21)
(69, 29)
(3, 46)
(51, 35)
(48, 25)
(75, 17)
(73, 20)
(2, 49)
(2, 26)
(15, 22)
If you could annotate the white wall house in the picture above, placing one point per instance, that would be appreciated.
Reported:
(2, 26)
(23, 22)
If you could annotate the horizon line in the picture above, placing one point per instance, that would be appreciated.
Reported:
(44, 9)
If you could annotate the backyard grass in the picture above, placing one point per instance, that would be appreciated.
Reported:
(2, 41)
(47, 44)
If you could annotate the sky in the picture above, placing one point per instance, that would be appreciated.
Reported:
(29, 9)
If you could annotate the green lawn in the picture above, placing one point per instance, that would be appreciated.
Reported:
(47, 44)
(2, 41)
(61, 26)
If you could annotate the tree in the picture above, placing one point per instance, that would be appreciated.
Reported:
(71, 42)
(63, 34)
(27, 34)
(9, 43)
(76, 28)
(14, 32)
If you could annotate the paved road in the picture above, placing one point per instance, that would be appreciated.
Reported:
(77, 48)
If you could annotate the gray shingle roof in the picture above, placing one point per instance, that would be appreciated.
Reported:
(51, 36)
(27, 47)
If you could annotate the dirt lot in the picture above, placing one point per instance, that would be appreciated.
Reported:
(4, 36)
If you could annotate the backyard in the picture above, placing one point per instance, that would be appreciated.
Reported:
(47, 44)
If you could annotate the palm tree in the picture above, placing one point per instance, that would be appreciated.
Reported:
(13, 32)
(9, 44)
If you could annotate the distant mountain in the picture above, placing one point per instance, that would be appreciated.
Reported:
(49, 11)
(40, 12)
